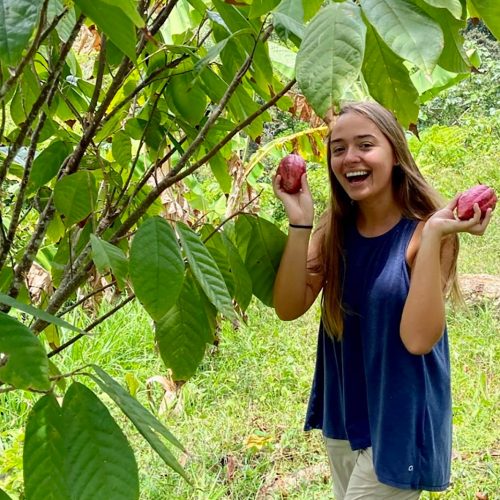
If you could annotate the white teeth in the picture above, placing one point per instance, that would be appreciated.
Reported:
(356, 173)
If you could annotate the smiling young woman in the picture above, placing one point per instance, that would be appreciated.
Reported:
(383, 257)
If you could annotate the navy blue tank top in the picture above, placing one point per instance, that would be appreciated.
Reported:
(367, 387)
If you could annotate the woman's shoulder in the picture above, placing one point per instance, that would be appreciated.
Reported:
(414, 243)
(449, 246)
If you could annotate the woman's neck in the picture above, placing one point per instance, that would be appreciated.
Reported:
(376, 218)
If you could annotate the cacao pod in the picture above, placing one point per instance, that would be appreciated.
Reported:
(483, 195)
(290, 169)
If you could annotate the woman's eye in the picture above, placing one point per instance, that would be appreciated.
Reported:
(337, 150)
(365, 145)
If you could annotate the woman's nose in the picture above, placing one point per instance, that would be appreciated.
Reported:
(351, 155)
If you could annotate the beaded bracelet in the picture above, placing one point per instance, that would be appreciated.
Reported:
(301, 226)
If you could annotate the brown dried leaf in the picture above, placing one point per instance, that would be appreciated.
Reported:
(170, 397)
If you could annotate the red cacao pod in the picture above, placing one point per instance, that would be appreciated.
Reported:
(483, 195)
(290, 169)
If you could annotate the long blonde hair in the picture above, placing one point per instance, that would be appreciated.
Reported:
(416, 198)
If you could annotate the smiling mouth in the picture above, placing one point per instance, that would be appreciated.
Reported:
(357, 177)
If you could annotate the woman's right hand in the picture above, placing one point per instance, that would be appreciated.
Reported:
(299, 206)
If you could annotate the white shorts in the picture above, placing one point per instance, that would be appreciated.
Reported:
(354, 476)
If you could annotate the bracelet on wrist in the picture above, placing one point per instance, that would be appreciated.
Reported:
(301, 226)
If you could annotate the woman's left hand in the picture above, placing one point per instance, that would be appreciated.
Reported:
(445, 222)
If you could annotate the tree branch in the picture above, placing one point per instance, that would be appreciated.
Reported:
(157, 164)
(14, 221)
(232, 216)
(99, 78)
(160, 20)
(47, 90)
(84, 299)
(214, 115)
(141, 143)
(149, 80)
(37, 42)
(180, 175)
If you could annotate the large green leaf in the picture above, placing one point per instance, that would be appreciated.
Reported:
(44, 452)
(182, 334)
(47, 164)
(240, 234)
(331, 54)
(65, 25)
(288, 20)
(454, 6)
(263, 255)
(4, 496)
(212, 84)
(75, 196)
(218, 251)
(242, 105)
(99, 460)
(179, 22)
(233, 18)
(205, 270)
(242, 280)
(407, 30)
(283, 59)
(122, 148)
(388, 79)
(453, 57)
(38, 313)
(108, 257)
(18, 19)
(143, 420)
(188, 99)
(219, 167)
(311, 7)
(129, 8)
(440, 79)
(156, 266)
(489, 10)
(262, 70)
(23, 361)
(261, 7)
(214, 51)
(113, 21)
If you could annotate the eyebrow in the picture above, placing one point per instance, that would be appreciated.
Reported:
(364, 136)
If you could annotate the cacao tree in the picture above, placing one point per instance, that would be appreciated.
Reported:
(114, 113)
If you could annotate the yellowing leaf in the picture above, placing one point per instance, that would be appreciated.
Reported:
(255, 441)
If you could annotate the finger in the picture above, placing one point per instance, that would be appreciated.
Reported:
(478, 225)
(475, 219)
(488, 215)
(486, 219)
(277, 184)
(477, 213)
(304, 185)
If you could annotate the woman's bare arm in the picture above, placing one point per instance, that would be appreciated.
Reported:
(296, 286)
(423, 318)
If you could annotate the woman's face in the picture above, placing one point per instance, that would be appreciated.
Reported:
(362, 158)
